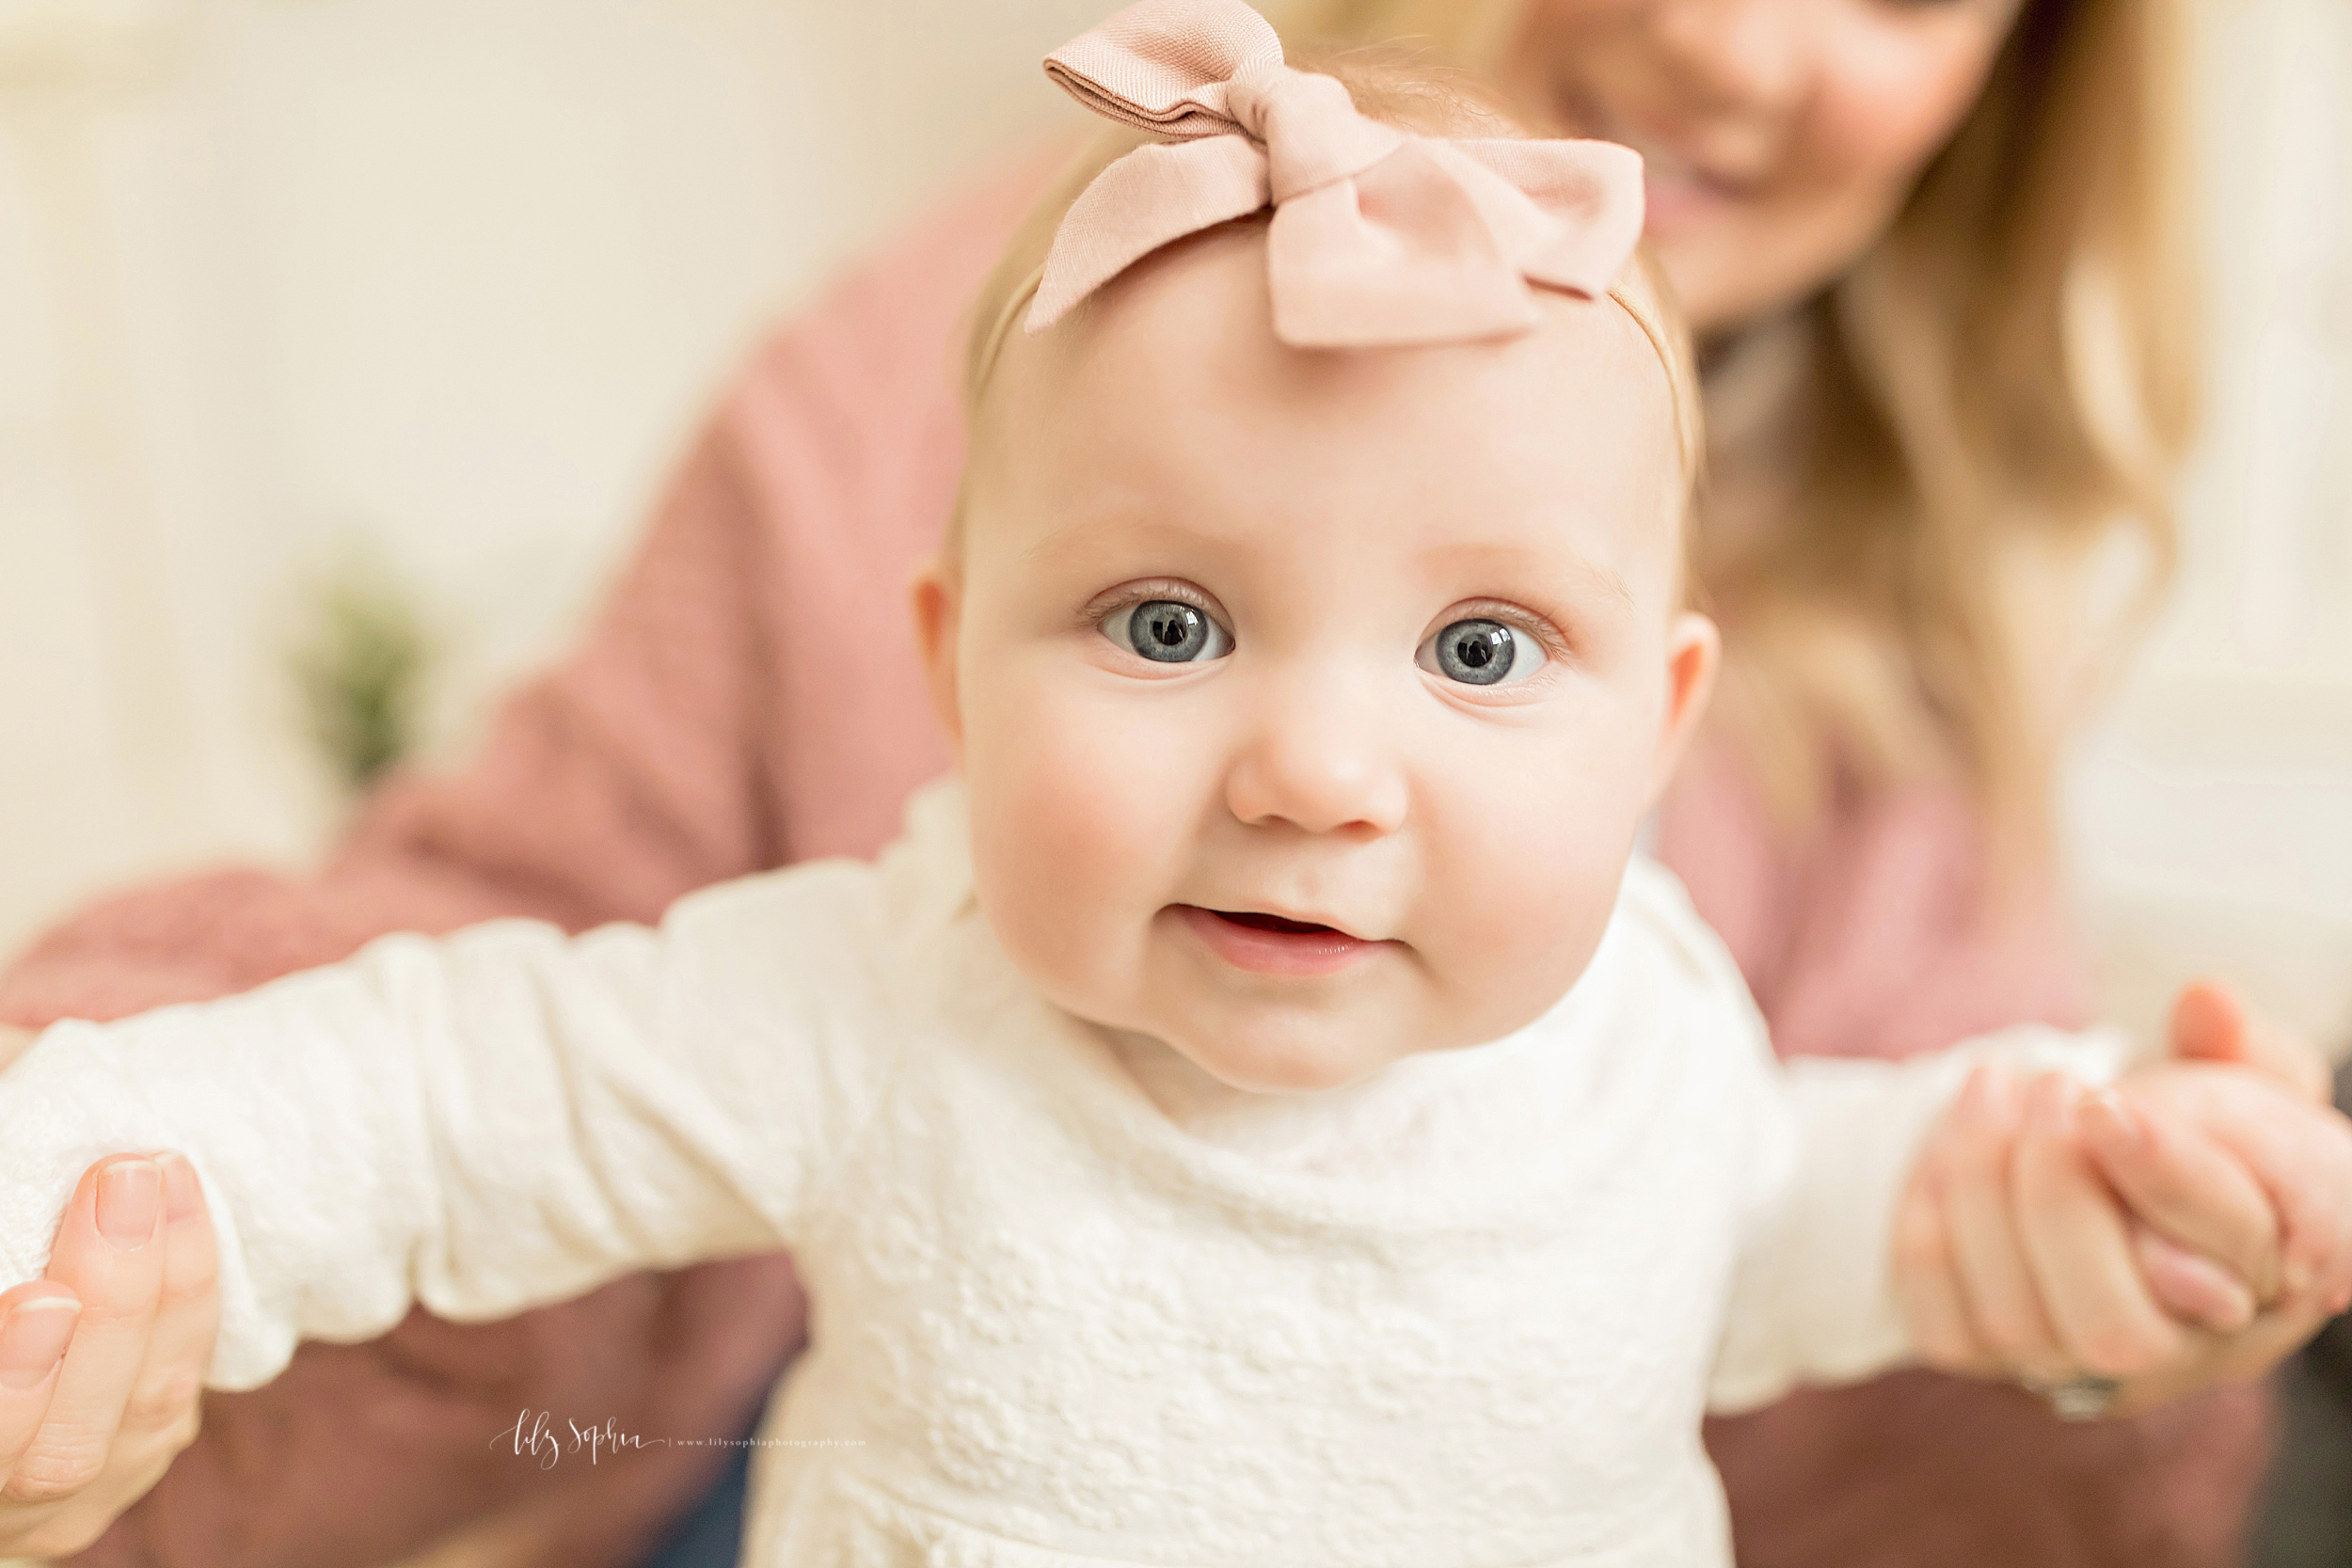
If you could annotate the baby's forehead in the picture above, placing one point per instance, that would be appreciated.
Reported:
(1171, 381)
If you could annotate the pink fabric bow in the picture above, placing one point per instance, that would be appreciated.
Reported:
(1378, 237)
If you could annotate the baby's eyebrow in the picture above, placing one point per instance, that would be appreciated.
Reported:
(1071, 538)
(1569, 570)
(1566, 571)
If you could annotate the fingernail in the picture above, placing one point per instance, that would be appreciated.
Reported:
(35, 1335)
(2110, 1119)
(2053, 1105)
(180, 1198)
(130, 1196)
(2233, 1304)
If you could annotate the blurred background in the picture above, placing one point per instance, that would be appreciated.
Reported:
(344, 343)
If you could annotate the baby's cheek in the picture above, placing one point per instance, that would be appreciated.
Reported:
(1526, 896)
(1079, 828)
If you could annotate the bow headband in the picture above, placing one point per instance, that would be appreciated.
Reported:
(1378, 238)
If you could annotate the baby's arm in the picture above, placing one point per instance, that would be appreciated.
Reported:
(1814, 1297)
(2030, 1241)
(483, 1123)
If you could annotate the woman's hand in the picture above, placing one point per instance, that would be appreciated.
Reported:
(102, 1362)
(2211, 1024)
(2299, 1154)
(2295, 1145)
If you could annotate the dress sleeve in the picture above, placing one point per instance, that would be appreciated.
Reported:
(485, 1122)
(1813, 1297)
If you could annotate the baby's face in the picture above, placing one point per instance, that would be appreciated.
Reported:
(1309, 702)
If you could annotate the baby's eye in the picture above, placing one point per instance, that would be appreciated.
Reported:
(1479, 652)
(1168, 631)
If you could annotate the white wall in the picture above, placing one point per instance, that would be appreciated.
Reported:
(450, 276)
(2211, 814)
(455, 275)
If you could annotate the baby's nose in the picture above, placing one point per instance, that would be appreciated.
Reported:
(1320, 762)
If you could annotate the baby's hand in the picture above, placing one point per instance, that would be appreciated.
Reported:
(2014, 1257)
(2230, 1243)
(102, 1362)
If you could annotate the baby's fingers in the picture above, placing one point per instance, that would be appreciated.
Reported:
(2081, 1252)
(1927, 1284)
(2185, 1187)
(1996, 1282)
(109, 1254)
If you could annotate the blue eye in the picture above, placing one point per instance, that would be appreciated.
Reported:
(1479, 652)
(1168, 631)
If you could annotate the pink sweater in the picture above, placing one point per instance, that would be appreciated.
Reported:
(702, 732)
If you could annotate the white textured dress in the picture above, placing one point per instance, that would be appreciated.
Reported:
(1073, 1302)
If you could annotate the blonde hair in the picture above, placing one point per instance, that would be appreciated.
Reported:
(2005, 380)
(1391, 85)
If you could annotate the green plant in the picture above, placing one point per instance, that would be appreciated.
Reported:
(360, 664)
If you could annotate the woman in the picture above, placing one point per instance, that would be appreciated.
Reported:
(1928, 247)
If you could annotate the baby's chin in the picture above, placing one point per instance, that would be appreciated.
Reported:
(1249, 1036)
(1272, 1049)
(1259, 1047)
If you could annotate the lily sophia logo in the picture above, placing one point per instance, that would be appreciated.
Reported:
(534, 1433)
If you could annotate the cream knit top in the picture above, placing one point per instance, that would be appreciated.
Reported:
(1074, 1300)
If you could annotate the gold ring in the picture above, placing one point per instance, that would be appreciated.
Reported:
(2084, 1397)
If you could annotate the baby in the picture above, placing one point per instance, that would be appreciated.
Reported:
(1264, 1109)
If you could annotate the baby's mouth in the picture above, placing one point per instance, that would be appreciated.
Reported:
(1273, 922)
(1273, 944)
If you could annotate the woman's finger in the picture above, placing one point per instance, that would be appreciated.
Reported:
(2192, 1290)
(36, 1322)
(109, 1254)
(2079, 1248)
(2300, 1154)
(165, 1397)
(2185, 1186)
(1996, 1280)
(2211, 1022)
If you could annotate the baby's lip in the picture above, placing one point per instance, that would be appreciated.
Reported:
(1290, 923)
(1278, 944)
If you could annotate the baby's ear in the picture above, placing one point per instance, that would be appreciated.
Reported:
(938, 602)
(1693, 651)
